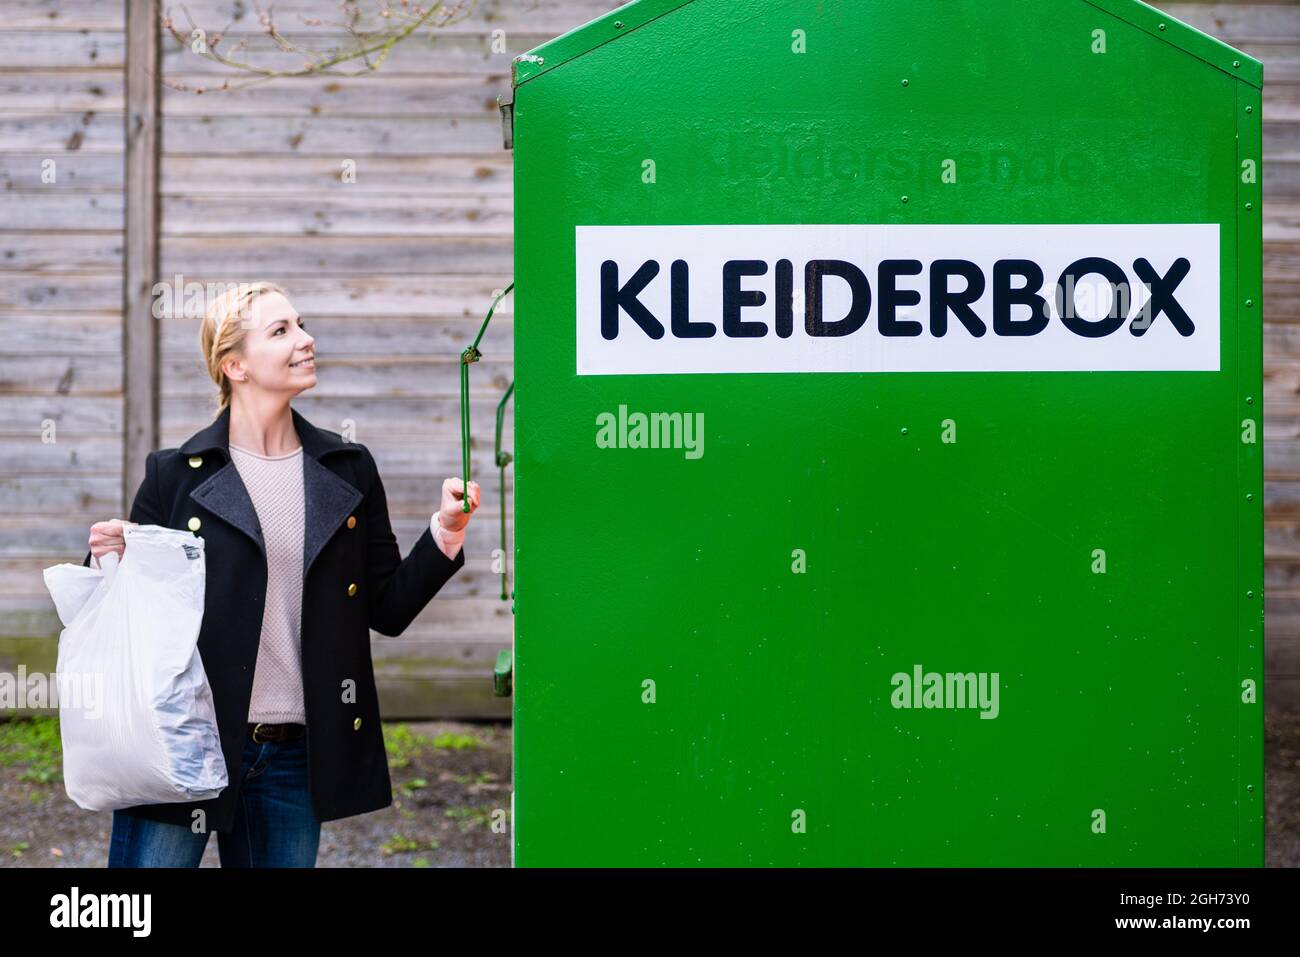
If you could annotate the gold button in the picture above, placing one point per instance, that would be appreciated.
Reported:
(196, 461)
(352, 521)
(356, 725)
(352, 589)
(194, 524)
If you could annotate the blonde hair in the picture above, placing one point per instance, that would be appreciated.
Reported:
(223, 328)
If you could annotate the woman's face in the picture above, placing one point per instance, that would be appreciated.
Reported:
(277, 353)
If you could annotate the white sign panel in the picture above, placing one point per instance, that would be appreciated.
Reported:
(903, 298)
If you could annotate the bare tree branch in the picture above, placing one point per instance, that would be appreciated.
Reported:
(369, 46)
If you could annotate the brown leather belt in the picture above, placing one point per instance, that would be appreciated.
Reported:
(262, 732)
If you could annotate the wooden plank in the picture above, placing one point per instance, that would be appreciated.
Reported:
(72, 171)
(1281, 180)
(46, 15)
(27, 534)
(1281, 457)
(61, 495)
(307, 256)
(59, 132)
(377, 296)
(65, 375)
(452, 651)
(26, 415)
(1282, 300)
(1281, 541)
(1282, 223)
(389, 335)
(408, 420)
(1232, 20)
(140, 264)
(447, 697)
(1281, 101)
(333, 136)
(469, 51)
(376, 95)
(37, 252)
(23, 50)
(311, 17)
(190, 175)
(1281, 58)
(78, 454)
(1281, 262)
(1281, 140)
(334, 376)
(23, 577)
(86, 334)
(343, 212)
(1281, 693)
(52, 208)
(63, 90)
(62, 293)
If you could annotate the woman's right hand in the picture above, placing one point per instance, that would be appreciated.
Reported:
(107, 537)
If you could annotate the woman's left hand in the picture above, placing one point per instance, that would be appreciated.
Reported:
(452, 515)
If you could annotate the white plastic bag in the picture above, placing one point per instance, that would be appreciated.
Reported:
(131, 632)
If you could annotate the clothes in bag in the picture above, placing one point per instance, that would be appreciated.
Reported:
(135, 709)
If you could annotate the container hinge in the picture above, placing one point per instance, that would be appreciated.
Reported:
(506, 104)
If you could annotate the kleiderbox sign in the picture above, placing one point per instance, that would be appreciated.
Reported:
(908, 298)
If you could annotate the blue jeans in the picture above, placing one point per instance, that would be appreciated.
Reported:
(274, 823)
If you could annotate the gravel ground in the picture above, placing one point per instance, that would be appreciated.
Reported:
(448, 777)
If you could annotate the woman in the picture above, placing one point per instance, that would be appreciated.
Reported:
(301, 564)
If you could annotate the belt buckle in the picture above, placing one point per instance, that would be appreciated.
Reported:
(256, 727)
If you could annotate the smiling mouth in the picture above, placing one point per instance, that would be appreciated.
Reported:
(308, 363)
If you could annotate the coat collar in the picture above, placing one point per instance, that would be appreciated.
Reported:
(328, 498)
(315, 442)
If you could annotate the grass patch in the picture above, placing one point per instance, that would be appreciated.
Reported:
(403, 744)
(34, 742)
(398, 844)
(468, 817)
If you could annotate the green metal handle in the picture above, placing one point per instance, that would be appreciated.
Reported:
(503, 676)
(503, 459)
(471, 354)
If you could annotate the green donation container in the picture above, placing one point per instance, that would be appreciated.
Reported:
(888, 428)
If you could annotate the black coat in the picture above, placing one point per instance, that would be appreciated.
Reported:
(349, 542)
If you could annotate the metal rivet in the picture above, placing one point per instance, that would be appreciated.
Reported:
(1250, 206)
(1162, 26)
(904, 83)
(1250, 594)
(194, 524)
(1250, 787)
(196, 461)
(1236, 63)
(1250, 109)
(1250, 497)
(352, 589)
(1250, 399)
(356, 725)
(905, 199)
(352, 521)
(618, 24)
(1249, 303)
(903, 431)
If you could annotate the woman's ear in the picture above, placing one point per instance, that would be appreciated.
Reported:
(234, 369)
